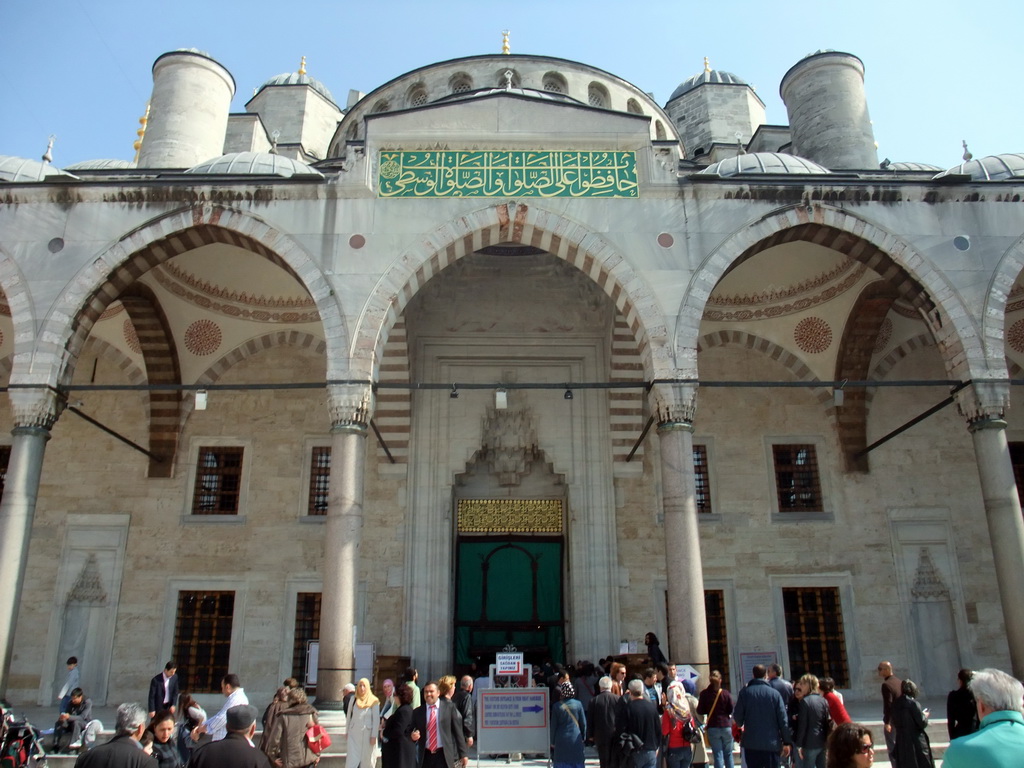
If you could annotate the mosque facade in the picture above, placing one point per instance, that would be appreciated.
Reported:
(505, 353)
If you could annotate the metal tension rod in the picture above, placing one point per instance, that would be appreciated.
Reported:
(112, 433)
(380, 439)
(917, 419)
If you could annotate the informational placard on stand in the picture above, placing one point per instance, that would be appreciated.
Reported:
(508, 664)
(749, 658)
(512, 720)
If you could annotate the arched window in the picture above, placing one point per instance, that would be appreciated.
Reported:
(460, 83)
(417, 96)
(381, 106)
(659, 131)
(555, 83)
(634, 106)
(597, 95)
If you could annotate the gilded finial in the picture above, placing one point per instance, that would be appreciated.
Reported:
(707, 64)
(302, 66)
(967, 152)
(141, 133)
(48, 154)
(505, 47)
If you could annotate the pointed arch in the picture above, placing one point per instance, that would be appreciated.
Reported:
(993, 328)
(77, 309)
(16, 291)
(113, 355)
(258, 344)
(895, 355)
(898, 263)
(512, 222)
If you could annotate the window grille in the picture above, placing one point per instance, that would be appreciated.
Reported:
(319, 480)
(702, 479)
(797, 482)
(418, 98)
(554, 84)
(307, 628)
(718, 638)
(202, 639)
(596, 96)
(814, 633)
(218, 480)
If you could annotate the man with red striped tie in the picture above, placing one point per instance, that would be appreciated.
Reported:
(437, 730)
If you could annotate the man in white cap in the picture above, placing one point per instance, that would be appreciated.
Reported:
(235, 750)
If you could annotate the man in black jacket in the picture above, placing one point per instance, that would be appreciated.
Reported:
(640, 718)
(601, 714)
(463, 701)
(235, 750)
(124, 750)
(163, 690)
(437, 731)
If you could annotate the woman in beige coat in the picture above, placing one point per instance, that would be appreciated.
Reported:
(287, 747)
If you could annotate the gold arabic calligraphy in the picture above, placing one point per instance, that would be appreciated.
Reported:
(491, 173)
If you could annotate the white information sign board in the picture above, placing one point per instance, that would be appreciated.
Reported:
(512, 720)
(508, 664)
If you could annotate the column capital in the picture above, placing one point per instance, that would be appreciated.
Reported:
(673, 404)
(36, 407)
(350, 405)
(983, 401)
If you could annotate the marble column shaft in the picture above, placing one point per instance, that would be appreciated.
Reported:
(687, 621)
(1005, 528)
(342, 535)
(17, 510)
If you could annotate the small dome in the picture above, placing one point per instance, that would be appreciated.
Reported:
(912, 167)
(111, 164)
(22, 169)
(253, 163)
(763, 162)
(294, 78)
(991, 168)
(714, 76)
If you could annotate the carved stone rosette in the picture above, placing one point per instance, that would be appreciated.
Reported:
(673, 403)
(351, 406)
(35, 408)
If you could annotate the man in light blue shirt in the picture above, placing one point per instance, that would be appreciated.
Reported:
(999, 743)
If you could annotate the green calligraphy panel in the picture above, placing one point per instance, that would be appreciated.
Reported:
(502, 173)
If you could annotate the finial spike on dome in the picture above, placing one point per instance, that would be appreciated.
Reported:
(505, 47)
(967, 152)
(707, 64)
(141, 133)
(48, 154)
(302, 66)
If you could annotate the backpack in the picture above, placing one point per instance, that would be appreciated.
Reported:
(15, 751)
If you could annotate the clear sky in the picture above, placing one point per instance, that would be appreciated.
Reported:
(938, 71)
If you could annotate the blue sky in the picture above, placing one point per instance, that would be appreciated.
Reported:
(937, 72)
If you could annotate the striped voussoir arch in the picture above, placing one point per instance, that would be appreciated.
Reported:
(894, 356)
(625, 406)
(100, 349)
(393, 415)
(245, 350)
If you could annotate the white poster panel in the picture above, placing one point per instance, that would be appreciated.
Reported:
(512, 720)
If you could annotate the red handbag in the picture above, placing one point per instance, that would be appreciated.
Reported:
(317, 738)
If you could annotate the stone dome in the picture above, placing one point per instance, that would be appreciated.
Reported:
(253, 163)
(108, 164)
(712, 76)
(991, 168)
(22, 169)
(912, 167)
(764, 162)
(294, 78)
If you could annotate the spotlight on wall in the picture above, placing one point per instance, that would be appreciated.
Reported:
(201, 397)
(568, 393)
(454, 394)
(500, 399)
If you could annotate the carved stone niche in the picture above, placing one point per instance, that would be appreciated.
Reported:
(509, 458)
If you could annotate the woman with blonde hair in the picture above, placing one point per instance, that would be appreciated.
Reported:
(446, 687)
(363, 721)
(812, 724)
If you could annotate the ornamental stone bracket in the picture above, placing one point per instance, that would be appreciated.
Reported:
(36, 407)
(983, 401)
(351, 405)
(673, 402)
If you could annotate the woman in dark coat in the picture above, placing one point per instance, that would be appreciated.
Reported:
(654, 649)
(961, 709)
(910, 721)
(568, 729)
(397, 749)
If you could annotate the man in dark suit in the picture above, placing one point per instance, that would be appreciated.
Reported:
(124, 750)
(163, 690)
(437, 731)
(601, 715)
(235, 750)
(463, 701)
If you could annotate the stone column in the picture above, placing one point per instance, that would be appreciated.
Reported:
(674, 407)
(34, 415)
(351, 407)
(1005, 525)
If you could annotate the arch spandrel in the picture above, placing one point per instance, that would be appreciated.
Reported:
(949, 319)
(525, 225)
(72, 316)
(19, 299)
(993, 319)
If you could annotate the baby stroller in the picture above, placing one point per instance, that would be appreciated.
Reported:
(22, 747)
